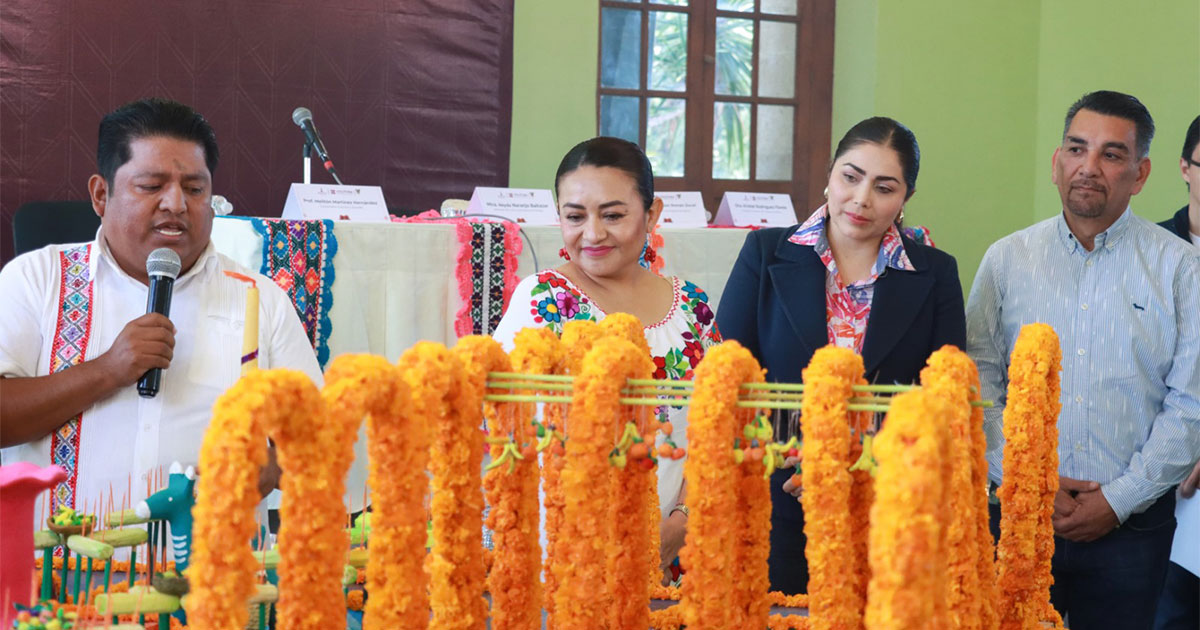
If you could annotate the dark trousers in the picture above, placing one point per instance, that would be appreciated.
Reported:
(1112, 583)
(787, 567)
(1179, 607)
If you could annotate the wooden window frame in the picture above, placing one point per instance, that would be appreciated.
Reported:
(812, 99)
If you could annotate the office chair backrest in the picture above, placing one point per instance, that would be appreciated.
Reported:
(40, 223)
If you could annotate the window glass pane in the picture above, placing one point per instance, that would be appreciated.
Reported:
(731, 141)
(773, 152)
(678, 3)
(665, 127)
(779, 7)
(620, 48)
(619, 117)
(735, 5)
(777, 59)
(735, 52)
(668, 43)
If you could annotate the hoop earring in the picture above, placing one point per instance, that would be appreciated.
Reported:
(563, 254)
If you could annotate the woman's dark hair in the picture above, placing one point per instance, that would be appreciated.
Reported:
(1119, 105)
(613, 152)
(146, 118)
(886, 133)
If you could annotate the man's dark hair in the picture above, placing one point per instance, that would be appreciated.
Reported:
(146, 118)
(1191, 139)
(1119, 105)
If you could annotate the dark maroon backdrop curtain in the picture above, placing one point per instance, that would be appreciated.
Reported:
(412, 95)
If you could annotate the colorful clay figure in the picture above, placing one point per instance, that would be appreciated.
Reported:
(173, 504)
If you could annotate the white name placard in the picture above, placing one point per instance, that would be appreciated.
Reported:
(682, 209)
(756, 209)
(530, 206)
(338, 203)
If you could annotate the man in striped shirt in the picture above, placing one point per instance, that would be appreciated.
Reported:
(1123, 296)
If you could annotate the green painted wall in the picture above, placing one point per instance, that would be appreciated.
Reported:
(555, 52)
(1148, 49)
(960, 75)
(984, 85)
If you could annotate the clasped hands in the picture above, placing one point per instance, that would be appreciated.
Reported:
(1081, 513)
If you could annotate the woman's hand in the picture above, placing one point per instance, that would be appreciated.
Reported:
(793, 486)
(670, 540)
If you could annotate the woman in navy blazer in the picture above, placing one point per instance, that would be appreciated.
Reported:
(780, 299)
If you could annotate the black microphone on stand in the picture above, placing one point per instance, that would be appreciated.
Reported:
(303, 119)
(163, 267)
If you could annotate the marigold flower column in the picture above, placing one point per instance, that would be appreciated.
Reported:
(907, 563)
(587, 541)
(398, 448)
(577, 338)
(834, 589)
(750, 606)
(723, 572)
(970, 579)
(457, 573)
(355, 386)
(1030, 480)
(286, 404)
(634, 489)
(512, 492)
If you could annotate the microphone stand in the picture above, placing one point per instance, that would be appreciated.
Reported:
(307, 162)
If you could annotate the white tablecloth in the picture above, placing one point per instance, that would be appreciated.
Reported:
(394, 283)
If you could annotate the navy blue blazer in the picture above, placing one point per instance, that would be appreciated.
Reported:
(1178, 224)
(774, 304)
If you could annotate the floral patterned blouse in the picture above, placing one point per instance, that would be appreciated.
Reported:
(848, 307)
(677, 343)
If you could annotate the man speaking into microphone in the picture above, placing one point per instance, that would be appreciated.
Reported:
(76, 337)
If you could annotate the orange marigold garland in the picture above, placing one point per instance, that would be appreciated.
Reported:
(512, 493)
(951, 375)
(634, 508)
(716, 523)
(985, 555)
(1030, 479)
(834, 597)
(578, 336)
(586, 539)
(310, 596)
(627, 327)
(398, 451)
(457, 575)
(750, 604)
(234, 448)
(905, 530)
(862, 497)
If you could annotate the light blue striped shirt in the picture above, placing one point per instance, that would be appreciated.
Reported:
(1127, 315)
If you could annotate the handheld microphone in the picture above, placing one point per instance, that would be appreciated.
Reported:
(163, 267)
(303, 119)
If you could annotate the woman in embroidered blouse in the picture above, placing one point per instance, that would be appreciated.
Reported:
(607, 207)
(846, 276)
